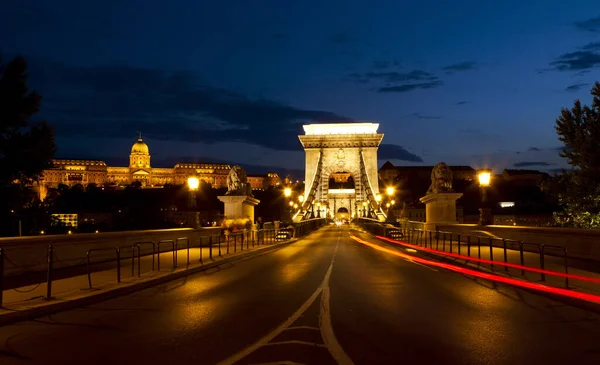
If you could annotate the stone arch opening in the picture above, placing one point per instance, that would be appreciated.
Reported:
(341, 180)
(343, 210)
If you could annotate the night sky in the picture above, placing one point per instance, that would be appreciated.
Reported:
(465, 82)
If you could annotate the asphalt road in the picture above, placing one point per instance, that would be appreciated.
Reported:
(325, 299)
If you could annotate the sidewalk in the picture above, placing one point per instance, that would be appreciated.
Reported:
(577, 267)
(78, 287)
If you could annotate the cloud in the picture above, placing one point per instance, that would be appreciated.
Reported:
(576, 61)
(395, 152)
(575, 87)
(533, 149)
(115, 102)
(410, 87)
(461, 103)
(419, 116)
(532, 163)
(590, 25)
(391, 77)
(463, 66)
(398, 81)
(592, 46)
(382, 65)
(342, 38)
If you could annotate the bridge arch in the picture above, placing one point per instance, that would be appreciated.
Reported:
(349, 148)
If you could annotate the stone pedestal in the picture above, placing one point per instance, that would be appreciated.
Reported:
(440, 208)
(239, 206)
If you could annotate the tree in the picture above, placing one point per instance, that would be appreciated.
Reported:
(578, 189)
(26, 148)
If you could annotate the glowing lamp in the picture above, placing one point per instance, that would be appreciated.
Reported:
(287, 192)
(378, 198)
(390, 190)
(193, 183)
(484, 177)
(301, 198)
(291, 204)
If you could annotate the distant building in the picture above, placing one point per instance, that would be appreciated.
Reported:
(72, 172)
(524, 177)
(389, 172)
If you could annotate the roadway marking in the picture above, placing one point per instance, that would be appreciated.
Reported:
(425, 266)
(303, 328)
(280, 363)
(336, 351)
(295, 342)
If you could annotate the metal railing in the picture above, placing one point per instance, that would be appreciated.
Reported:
(75, 264)
(89, 273)
(456, 243)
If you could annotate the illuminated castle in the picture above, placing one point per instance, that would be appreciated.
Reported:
(84, 172)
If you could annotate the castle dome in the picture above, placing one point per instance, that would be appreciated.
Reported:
(139, 147)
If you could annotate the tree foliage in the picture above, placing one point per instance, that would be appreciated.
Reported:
(578, 189)
(26, 148)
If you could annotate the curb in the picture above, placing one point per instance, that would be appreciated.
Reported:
(54, 307)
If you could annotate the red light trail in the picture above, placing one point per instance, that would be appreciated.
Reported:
(515, 282)
(491, 262)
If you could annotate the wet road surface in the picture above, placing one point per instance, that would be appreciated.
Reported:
(325, 299)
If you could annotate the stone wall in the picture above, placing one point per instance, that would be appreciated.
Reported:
(30, 254)
(580, 243)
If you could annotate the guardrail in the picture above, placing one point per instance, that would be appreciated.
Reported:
(455, 243)
(89, 273)
(138, 249)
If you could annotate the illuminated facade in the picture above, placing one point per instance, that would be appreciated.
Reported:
(85, 172)
(339, 152)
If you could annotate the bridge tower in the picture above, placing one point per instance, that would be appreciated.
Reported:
(341, 150)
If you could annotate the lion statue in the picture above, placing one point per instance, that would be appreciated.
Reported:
(441, 179)
(237, 182)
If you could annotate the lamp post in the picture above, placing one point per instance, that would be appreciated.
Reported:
(318, 209)
(485, 212)
(364, 209)
(193, 184)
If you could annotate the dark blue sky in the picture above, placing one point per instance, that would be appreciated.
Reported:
(466, 82)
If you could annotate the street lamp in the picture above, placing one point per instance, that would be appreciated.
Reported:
(485, 212)
(364, 209)
(287, 192)
(318, 209)
(390, 190)
(193, 184)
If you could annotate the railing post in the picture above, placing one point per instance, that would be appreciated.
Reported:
(437, 240)
(505, 254)
(469, 245)
(541, 249)
(220, 246)
(491, 252)
(210, 243)
(200, 244)
(478, 247)
(458, 243)
(444, 242)
(48, 275)
(118, 264)
(88, 269)
(1, 274)
(566, 269)
(522, 257)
